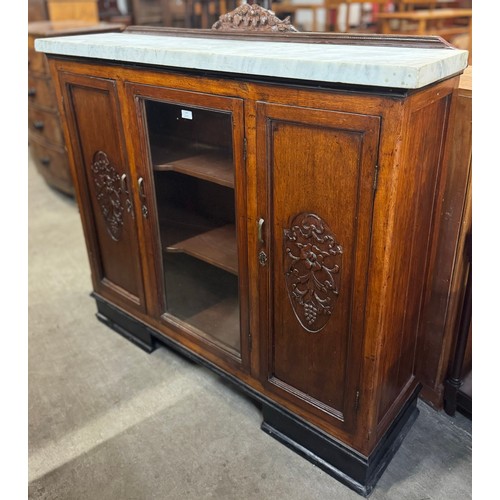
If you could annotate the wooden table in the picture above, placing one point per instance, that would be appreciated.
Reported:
(286, 6)
(427, 22)
(408, 5)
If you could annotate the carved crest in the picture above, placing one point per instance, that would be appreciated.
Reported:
(312, 266)
(252, 18)
(107, 183)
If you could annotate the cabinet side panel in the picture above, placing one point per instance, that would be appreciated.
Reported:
(103, 179)
(426, 129)
(446, 281)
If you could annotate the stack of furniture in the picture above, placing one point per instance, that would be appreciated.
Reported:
(45, 135)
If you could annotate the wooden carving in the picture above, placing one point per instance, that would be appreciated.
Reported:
(109, 191)
(312, 259)
(252, 18)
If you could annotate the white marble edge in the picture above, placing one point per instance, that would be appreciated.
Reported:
(396, 67)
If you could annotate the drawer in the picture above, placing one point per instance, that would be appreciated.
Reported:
(45, 124)
(37, 62)
(41, 93)
(52, 164)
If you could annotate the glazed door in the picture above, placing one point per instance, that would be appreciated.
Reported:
(103, 187)
(192, 191)
(318, 168)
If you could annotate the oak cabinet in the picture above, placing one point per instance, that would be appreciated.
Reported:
(275, 231)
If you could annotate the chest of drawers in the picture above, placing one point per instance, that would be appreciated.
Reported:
(44, 127)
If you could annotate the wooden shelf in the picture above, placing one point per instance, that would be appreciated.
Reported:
(204, 299)
(214, 165)
(217, 247)
(219, 323)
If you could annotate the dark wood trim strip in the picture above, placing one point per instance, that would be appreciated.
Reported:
(362, 39)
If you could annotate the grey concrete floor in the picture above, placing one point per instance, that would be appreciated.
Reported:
(108, 421)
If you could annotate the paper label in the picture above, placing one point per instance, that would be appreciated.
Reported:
(188, 115)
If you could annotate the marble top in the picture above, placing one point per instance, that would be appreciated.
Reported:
(396, 67)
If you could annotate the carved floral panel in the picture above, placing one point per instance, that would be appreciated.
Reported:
(312, 266)
(109, 191)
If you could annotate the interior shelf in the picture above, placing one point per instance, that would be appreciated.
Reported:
(216, 247)
(205, 299)
(219, 321)
(210, 164)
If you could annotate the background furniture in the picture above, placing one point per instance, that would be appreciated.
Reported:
(37, 10)
(45, 136)
(146, 12)
(458, 385)
(332, 8)
(109, 12)
(80, 10)
(174, 13)
(427, 22)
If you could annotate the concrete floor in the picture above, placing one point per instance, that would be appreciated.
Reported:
(110, 422)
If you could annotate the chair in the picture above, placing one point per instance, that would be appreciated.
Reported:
(332, 10)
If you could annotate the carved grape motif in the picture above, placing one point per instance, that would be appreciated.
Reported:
(108, 189)
(312, 267)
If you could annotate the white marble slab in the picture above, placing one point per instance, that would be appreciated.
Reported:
(408, 68)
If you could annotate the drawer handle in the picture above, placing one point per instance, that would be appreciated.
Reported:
(38, 124)
(260, 226)
(128, 202)
(45, 160)
(32, 92)
(124, 183)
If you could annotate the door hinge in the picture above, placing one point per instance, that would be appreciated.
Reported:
(249, 340)
(245, 148)
(356, 401)
(375, 179)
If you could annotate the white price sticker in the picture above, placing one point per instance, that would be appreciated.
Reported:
(188, 115)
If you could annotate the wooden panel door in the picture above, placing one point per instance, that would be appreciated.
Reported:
(103, 187)
(320, 168)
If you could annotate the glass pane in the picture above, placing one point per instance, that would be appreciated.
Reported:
(192, 155)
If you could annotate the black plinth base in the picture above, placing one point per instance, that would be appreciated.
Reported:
(125, 325)
(356, 471)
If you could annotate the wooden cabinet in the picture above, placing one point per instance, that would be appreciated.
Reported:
(44, 124)
(277, 232)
